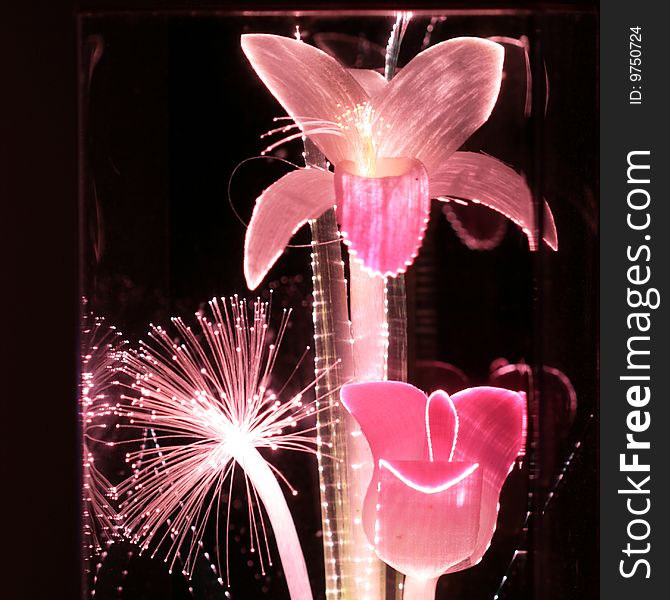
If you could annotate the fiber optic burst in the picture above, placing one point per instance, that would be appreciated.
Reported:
(101, 350)
(207, 399)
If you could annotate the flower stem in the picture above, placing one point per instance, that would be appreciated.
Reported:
(419, 589)
(370, 332)
(332, 343)
(396, 304)
(396, 370)
(272, 496)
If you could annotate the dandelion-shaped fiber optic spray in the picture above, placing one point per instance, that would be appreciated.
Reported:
(206, 399)
(101, 348)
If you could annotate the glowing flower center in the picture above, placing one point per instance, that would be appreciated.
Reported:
(237, 440)
(359, 127)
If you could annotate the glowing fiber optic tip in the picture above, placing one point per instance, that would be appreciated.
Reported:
(208, 399)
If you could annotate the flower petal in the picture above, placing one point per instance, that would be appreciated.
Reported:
(439, 100)
(383, 219)
(441, 426)
(373, 82)
(426, 515)
(392, 417)
(279, 212)
(491, 430)
(486, 180)
(312, 86)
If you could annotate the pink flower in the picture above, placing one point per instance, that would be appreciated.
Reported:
(440, 463)
(393, 145)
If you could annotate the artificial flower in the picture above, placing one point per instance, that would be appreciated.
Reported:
(439, 466)
(393, 145)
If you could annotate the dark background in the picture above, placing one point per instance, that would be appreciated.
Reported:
(171, 108)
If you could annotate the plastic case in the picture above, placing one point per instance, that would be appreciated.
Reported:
(172, 119)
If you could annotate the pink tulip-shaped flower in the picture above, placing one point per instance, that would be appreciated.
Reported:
(393, 145)
(440, 463)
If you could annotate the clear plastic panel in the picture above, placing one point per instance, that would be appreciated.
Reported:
(194, 463)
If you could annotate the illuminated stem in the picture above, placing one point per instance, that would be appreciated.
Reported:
(419, 589)
(332, 343)
(370, 330)
(396, 317)
(353, 571)
(288, 544)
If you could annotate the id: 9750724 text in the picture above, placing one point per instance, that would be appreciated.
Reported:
(635, 65)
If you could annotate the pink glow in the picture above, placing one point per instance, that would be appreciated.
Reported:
(422, 530)
(442, 420)
(312, 86)
(484, 180)
(206, 399)
(371, 208)
(362, 124)
(102, 346)
(422, 480)
(439, 99)
(456, 449)
(373, 82)
(492, 430)
(279, 212)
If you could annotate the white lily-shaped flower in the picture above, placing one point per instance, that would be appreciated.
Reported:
(393, 145)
